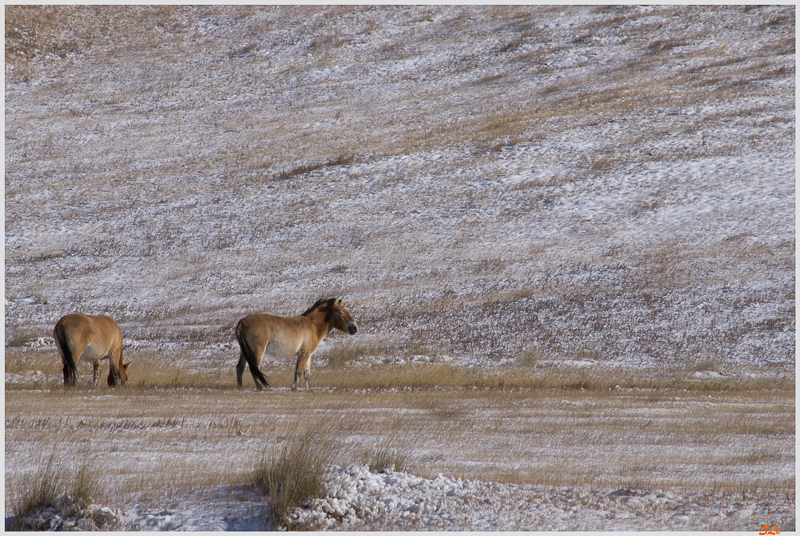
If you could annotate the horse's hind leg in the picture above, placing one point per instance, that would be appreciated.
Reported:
(257, 378)
(255, 364)
(70, 368)
(240, 366)
(96, 372)
(297, 370)
(255, 370)
(252, 359)
(70, 371)
(70, 375)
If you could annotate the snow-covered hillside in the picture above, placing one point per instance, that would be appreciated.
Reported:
(606, 187)
(613, 183)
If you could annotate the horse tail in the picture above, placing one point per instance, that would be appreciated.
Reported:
(248, 354)
(70, 370)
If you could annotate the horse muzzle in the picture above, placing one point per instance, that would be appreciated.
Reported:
(352, 328)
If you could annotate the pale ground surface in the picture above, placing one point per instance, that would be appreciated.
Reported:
(631, 459)
(580, 187)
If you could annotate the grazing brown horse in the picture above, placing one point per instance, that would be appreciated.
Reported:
(283, 337)
(90, 338)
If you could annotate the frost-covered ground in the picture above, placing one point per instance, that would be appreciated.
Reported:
(614, 183)
(484, 185)
(637, 459)
(361, 500)
(358, 499)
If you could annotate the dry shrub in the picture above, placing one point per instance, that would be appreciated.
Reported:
(391, 453)
(532, 356)
(43, 488)
(85, 483)
(422, 345)
(36, 490)
(19, 337)
(293, 473)
(147, 370)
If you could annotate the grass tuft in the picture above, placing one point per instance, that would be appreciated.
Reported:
(56, 484)
(390, 455)
(704, 364)
(293, 473)
(36, 490)
(85, 484)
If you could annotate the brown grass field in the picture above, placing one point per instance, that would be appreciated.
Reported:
(175, 432)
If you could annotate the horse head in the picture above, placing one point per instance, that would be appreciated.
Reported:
(123, 376)
(341, 319)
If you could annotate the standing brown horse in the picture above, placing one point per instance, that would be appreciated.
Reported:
(283, 337)
(90, 338)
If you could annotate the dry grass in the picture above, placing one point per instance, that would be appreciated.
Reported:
(392, 452)
(347, 370)
(344, 353)
(293, 473)
(174, 440)
(36, 361)
(150, 369)
(56, 477)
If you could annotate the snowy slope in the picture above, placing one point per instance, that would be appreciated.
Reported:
(613, 186)
(613, 182)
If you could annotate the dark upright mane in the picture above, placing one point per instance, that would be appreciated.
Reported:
(320, 305)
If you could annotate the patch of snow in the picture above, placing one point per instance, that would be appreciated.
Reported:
(358, 499)
(67, 514)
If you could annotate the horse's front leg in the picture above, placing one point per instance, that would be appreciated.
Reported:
(303, 367)
(114, 377)
(96, 372)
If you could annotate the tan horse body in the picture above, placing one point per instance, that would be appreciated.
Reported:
(90, 338)
(284, 337)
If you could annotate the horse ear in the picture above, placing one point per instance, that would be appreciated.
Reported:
(339, 301)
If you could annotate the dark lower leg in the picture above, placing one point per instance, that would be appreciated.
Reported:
(240, 371)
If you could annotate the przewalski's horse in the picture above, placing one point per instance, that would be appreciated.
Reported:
(283, 337)
(90, 338)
